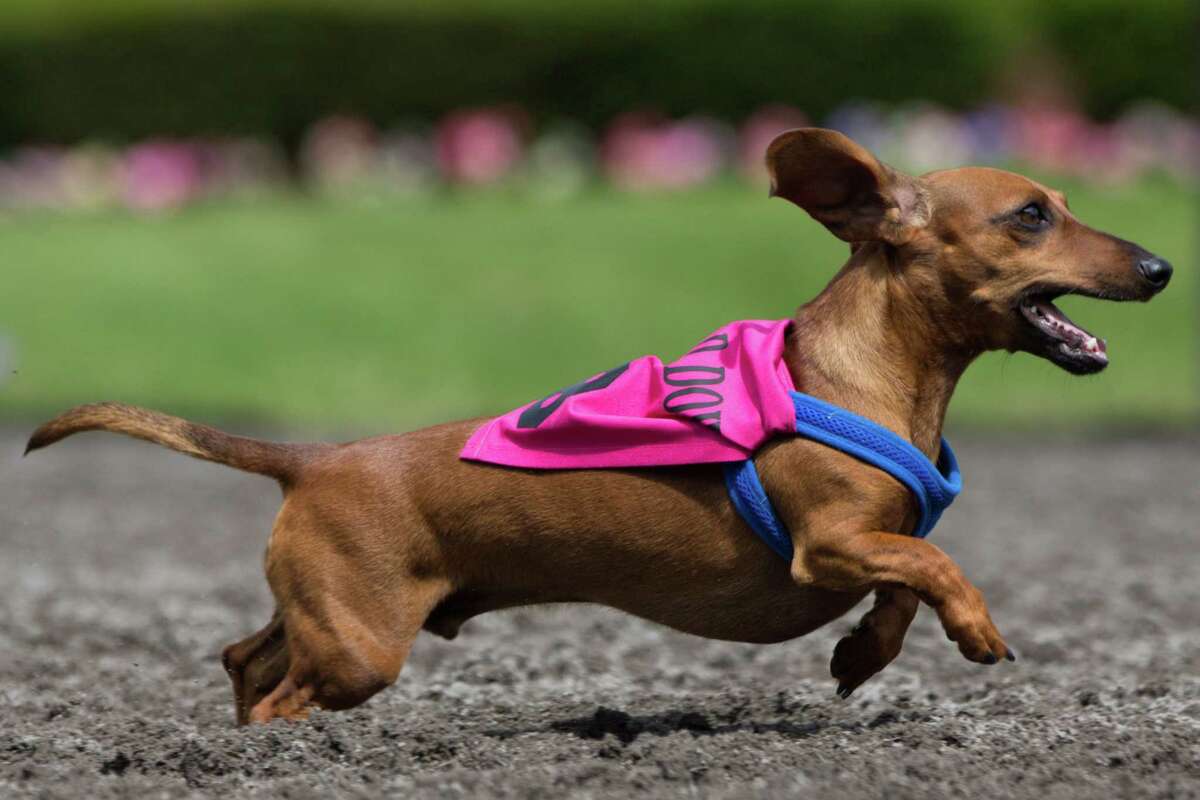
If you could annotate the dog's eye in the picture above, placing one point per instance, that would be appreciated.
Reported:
(1033, 216)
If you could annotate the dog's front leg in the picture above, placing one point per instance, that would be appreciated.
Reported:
(854, 561)
(875, 641)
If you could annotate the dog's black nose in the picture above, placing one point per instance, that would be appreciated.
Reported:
(1156, 270)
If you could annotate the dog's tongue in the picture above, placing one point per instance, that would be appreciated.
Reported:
(1052, 318)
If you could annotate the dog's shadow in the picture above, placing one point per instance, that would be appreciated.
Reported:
(626, 728)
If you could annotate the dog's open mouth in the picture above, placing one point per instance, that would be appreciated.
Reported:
(1064, 342)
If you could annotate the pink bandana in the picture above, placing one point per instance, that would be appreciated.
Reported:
(718, 403)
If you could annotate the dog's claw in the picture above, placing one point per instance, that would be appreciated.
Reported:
(990, 659)
(844, 691)
(1010, 655)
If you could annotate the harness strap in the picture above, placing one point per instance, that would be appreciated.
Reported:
(933, 487)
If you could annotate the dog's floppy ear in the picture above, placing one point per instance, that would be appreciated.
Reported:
(845, 188)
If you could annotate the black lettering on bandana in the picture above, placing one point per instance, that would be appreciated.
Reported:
(670, 375)
(710, 419)
(695, 378)
(539, 412)
(677, 398)
(719, 341)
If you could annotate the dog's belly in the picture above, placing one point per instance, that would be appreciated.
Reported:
(754, 615)
(740, 592)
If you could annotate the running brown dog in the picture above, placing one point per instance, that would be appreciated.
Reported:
(379, 538)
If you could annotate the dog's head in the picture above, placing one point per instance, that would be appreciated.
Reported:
(983, 251)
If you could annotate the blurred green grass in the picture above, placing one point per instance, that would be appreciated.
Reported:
(389, 314)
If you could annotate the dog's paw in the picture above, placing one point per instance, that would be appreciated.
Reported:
(969, 625)
(860, 654)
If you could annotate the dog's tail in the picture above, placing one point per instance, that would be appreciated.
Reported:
(278, 460)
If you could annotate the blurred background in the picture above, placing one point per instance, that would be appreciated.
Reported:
(362, 215)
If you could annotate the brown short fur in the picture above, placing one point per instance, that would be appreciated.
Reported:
(379, 538)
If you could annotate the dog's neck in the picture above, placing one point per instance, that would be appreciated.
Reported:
(870, 344)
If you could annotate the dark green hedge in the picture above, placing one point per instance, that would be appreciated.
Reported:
(273, 69)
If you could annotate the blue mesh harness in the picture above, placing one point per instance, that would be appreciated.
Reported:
(933, 487)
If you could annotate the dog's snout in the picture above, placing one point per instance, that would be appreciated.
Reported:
(1155, 270)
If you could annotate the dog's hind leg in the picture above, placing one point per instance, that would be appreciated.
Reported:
(256, 665)
(339, 658)
(352, 587)
(875, 641)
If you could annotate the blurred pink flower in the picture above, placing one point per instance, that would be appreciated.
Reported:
(1101, 155)
(478, 145)
(758, 131)
(1067, 142)
(640, 153)
(161, 175)
(1050, 138)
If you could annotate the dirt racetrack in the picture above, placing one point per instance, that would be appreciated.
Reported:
(125, 568)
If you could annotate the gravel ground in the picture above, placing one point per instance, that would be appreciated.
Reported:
(124, 569)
